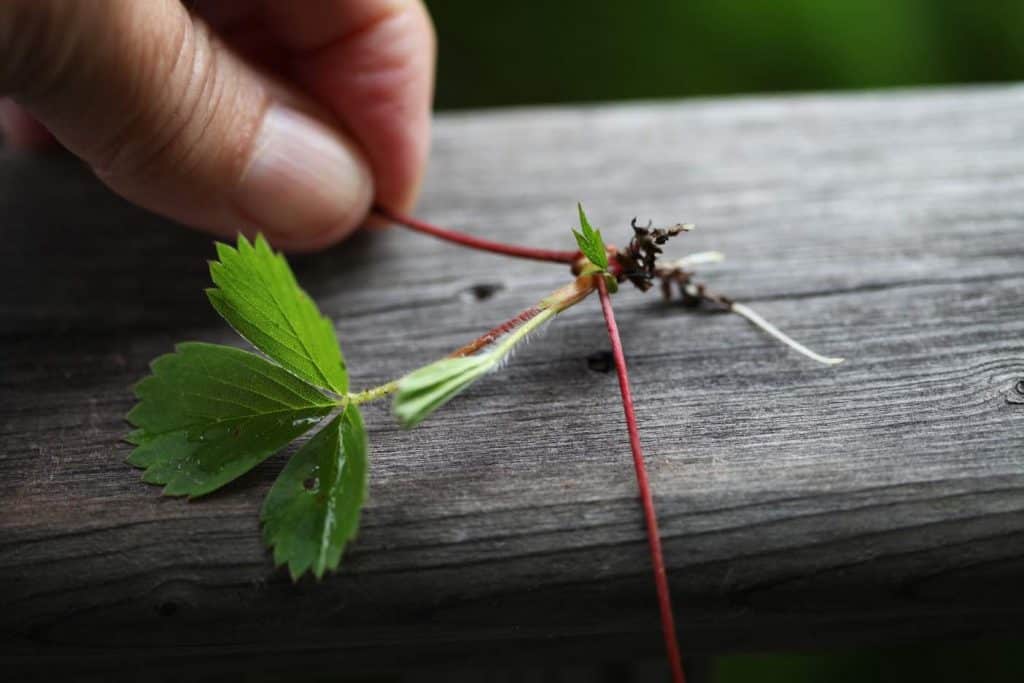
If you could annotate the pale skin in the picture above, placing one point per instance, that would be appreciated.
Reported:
(274, 116)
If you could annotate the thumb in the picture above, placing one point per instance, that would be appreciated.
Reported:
(174, 121)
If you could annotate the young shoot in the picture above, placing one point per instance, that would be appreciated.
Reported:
(423, 391)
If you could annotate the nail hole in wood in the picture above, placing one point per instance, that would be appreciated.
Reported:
(602, 361)
(1016, 394)
(484, 290)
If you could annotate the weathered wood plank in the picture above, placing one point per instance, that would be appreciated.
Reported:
(882, 498)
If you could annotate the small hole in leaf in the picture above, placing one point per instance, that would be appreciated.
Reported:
(310, 483)
(484, 291)
(602, 361)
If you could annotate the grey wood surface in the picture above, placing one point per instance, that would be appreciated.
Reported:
(800, 505)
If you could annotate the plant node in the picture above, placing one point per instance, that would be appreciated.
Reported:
(637, 262)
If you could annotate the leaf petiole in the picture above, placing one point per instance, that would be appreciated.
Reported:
(372, 394)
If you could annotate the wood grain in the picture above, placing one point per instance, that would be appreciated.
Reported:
(800, 505)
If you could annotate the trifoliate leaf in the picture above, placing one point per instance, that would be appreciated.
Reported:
(590, 242)
(210, 413)
(423, 391)
(257, 294)
(312, 511)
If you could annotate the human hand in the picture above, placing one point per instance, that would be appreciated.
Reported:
(289, 118)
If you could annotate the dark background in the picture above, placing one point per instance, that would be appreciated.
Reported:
(511, 53)
(530, 52)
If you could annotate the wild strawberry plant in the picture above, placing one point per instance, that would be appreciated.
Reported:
(209, 413)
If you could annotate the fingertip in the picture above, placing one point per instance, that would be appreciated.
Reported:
(317, 241)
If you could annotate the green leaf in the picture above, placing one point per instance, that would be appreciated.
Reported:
(312, 511)
(423, 391)
(210, 413)
(590, 242)
(257, 294)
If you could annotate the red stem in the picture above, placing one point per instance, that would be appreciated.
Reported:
(668, 625)
(477, 242)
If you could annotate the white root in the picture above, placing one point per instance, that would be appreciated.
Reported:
(699, 258)
(760, 322)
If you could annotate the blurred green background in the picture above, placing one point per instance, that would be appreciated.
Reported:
(494, 54)
(530, 52)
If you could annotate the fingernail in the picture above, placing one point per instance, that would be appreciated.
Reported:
(304, 180)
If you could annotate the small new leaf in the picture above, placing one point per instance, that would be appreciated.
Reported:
(312, 511)
(257, 294)
(590, 242)
(210, 413)
(423, 391)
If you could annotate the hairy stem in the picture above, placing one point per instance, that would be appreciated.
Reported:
(373, 393)
(520, 332)
(559, 300)
(571, 294)
(491, 335)
(668, 625)
(476, 242)
(511, 332)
